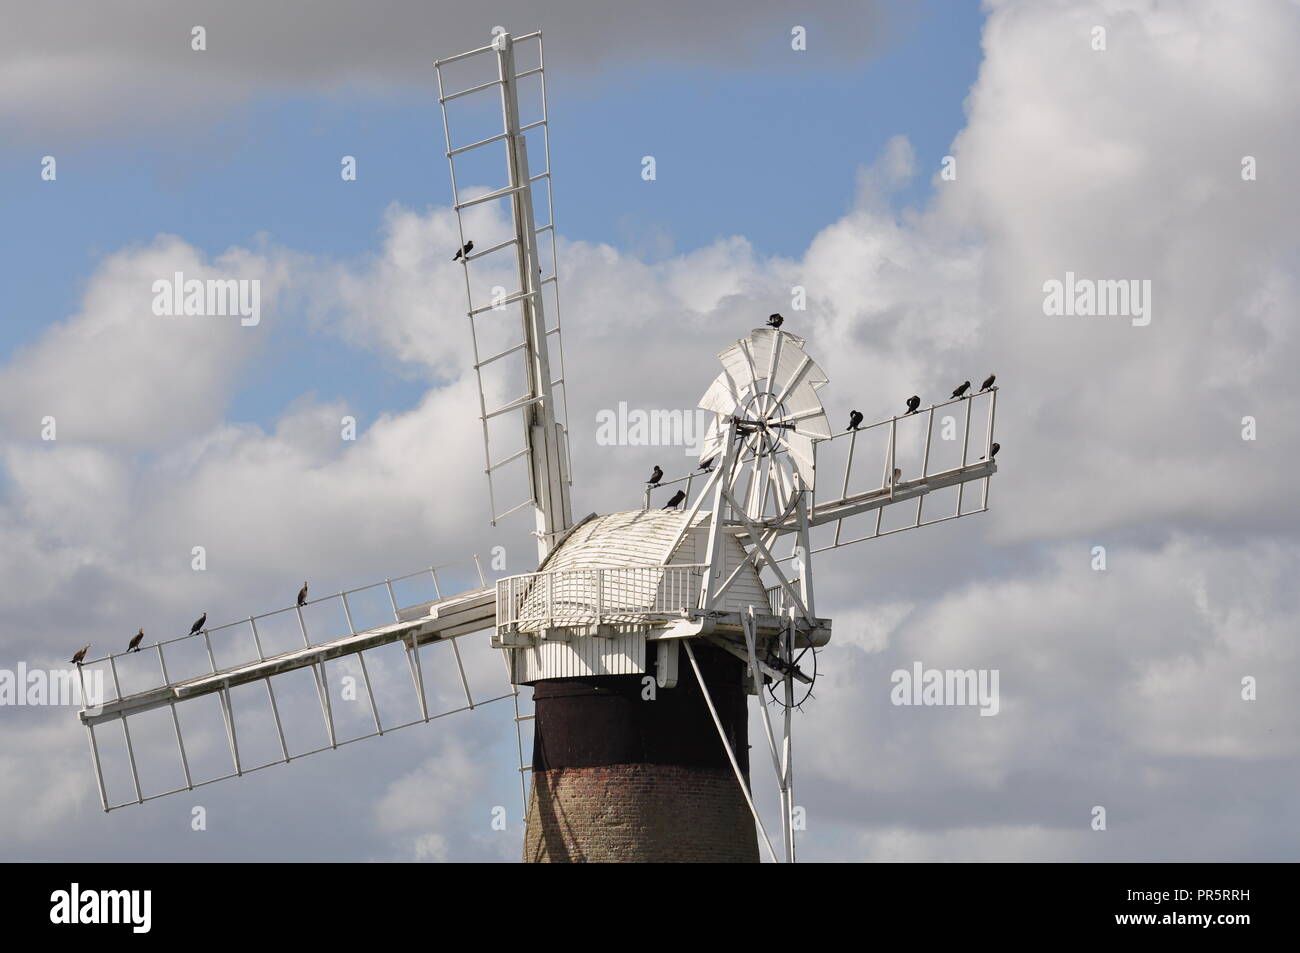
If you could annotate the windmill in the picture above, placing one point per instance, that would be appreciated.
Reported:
(641, 632)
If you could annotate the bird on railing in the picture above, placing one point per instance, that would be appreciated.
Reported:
(655, 476)
(302, 593)
(707, 465)
(134, 644)
(913, 402)
(988, 382)
(675, 500)
(961, 390)
(463, 254)
(855, 419)
(993, 450)
(898, 474)
(775, 320)
(80, 656)
(198, 623)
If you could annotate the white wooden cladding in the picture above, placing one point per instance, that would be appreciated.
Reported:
(622, 653)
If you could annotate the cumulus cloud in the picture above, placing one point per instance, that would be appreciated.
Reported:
(430, 817)
(120, 374)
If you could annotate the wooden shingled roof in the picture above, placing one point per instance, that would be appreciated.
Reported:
(629, 538)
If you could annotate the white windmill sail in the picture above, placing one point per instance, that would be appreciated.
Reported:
(352, 629)
(530, 293)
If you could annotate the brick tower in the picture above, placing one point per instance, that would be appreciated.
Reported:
(618, 777)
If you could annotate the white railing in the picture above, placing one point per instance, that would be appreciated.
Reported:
(574, 597)
(776, 600)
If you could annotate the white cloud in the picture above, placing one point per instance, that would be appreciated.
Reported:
(118, 374)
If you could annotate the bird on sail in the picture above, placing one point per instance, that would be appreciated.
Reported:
(675, 500)
(913, 402)
(775, 320)
(134, 644)
(465, 249)
(988, 382)
(961, 390)
(855, 419)
(198, 623)
(80, 656)
(302, 593)
(655, 476)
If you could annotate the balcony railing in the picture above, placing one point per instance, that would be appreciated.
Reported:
(776, 600)
(577, 597)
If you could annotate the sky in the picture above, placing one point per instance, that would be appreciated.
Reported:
(1119, 155)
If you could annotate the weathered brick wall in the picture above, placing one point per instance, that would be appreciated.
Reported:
(620, 776)
(639, 813)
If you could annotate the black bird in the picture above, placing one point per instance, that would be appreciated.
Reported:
(988, 382)
(136, 639)
(198, 623)
(913, 402)
(655, 477)
(775, 320)
(961, 390)
(80, 656)
(302, 593)
(707, 465)
(855, 418)
(675, 500)
(993, 450)
(465, 249)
